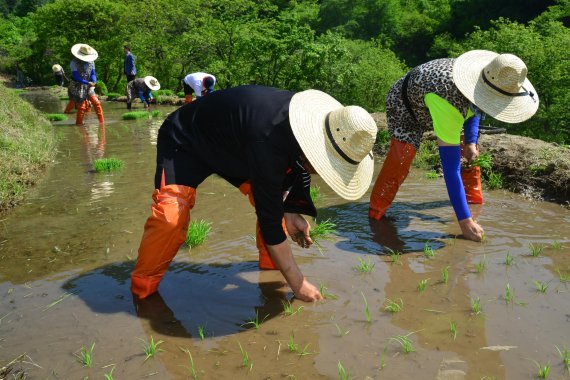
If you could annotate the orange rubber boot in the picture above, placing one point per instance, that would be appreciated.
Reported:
(98, 108)
(164, 232)
(265, 260)
(393, 173)
(188, 99)
(471, 178)
(80, 113)
(69, 107)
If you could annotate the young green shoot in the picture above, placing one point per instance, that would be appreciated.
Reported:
(155, 113)
(394, 256)
(445, 274)
(509, 259)
(428, 251)
(405, 342)
(481, 265)
(325, 293)
(393, 306)
(556, 245)
(246, 362)
(432, 174)
(109, 376)
(476, 305)
(316, 195)
(197, 234)
(422, 285)
(565, 356)
(256, 323)
(201, 332)
(341, 332)
(364, 266)
(85, 356)
(453, 329)
(151, 348)
(564, 277)
(543, 370)
(541, 287)
(56, 117)
(305, 351)
(289, 310)
(322, 231)
(509, 294)
(383, 358)
(535, 250)
(343, 374)
(107, 164)
(293, 347)
(366, 310)
(192, 368)
(135, 115)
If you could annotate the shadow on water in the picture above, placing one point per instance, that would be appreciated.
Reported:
(191, 295)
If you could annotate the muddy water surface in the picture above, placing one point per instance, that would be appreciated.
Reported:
(67, 253)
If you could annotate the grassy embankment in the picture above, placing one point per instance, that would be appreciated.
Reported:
(27, 146)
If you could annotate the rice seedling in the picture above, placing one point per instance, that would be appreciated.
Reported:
(394, 256)
(383, 358)
(509, 294)
(322, 231)
(564, 277)
(453, 329)
(56, 117)
(404, 342)
(340, 331)
(85, 356)
(291, 345)
(325, 293)
(476, 305)
(428, 251)
(393, 306)
(192, 368)
(541, 287)
(151, 348)
(509, 259)
(432, 174)
(316, 195)
(107, 164)
(289, 310)
(556, 245)
(543, 370)
(422, 285)
(113, 95)
(201, 333)
(366, 310)
(197, 234)
(565, 356)
(484, 161)
(135, 115)
(481, 265)
(155, 113)
(109, 376)
(305, 351)
(445, 274)
(343, 374)
(494, 180)
(246, 362)
(256, 323)
(535, 250)
(64, 97)
(364, 266)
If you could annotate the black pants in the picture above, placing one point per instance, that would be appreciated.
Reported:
(131, 77)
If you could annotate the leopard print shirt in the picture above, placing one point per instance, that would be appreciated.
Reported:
(431, 77)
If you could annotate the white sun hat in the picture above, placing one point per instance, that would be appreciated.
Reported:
(152, 83)
(497, 84)
(336, 140)
(84, 52)
(56, 68)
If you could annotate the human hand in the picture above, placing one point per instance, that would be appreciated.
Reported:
(299, 229)
(92, 84)
(471, 229)
(308, 292)
(470, 152)
(146, 105)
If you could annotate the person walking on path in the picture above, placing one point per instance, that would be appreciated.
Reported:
(449, 95)
(142, 88)
(199, 83)
(58, 74)
(130, 68)
(83, 79)
(265, 141)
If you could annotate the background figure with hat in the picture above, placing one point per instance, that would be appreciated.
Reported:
(142, 88)
(451, 95)
(264, 141)
(82, 84)
(199, 83)
(58, 74)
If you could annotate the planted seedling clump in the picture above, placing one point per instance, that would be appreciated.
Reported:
(135, 115)
(56, 117)
(107, 164)
(197, 233)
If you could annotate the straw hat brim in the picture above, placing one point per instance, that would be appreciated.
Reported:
(56, 68)
(87, 58)
(307, 114)
(467, 70)
(147, 80)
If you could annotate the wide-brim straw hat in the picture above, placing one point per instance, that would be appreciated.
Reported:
(152, 83)
(84, 52)
(56, 68)
(336, 140)
(497, 84)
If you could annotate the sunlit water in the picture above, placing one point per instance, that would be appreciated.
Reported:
(67, 252)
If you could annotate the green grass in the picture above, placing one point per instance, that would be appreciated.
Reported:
(432, 174)
(289, 310)
(394, 306)
(404, 342)
(197, 234)
(343, 374)
(476, 306)
(382, 143)
(366, 310)
(494, 181)
(316, 195)
(541, 287)
(453, 329)
(535, 250)
(481, 265)
(151, 348)
(422, 285)
(56, 117)
(85, 356)
(155, 113)
(445, 274)
(427, 157)
(107, 164)
(364, 266)
(136, 115)
(165, 92)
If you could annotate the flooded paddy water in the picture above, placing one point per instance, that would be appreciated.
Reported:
(66, 256)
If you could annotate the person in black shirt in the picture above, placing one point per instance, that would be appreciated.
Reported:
(262, 140)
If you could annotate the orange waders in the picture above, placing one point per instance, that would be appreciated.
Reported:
(187, 99)
(83, 107)
(69, 107)
(393, 173)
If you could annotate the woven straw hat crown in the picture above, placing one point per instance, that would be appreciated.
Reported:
(84, 52)
(352, 131)
(507, 72)
(152, 83)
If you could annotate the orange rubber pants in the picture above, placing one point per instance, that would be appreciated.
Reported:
(98, 108)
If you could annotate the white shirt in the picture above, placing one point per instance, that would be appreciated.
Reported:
(194, 80)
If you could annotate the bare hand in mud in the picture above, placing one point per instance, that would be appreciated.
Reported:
(471, 229)
(308, 292)
(299, 229)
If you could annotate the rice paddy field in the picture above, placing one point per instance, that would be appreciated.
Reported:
(406, 297)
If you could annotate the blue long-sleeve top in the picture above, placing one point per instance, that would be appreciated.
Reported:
(130, 68)
(77, 77)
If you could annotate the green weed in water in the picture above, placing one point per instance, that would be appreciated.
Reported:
(565, 356)
(107, 164)
(366, 310)
(85, 356)
(481, 265)
(422, 285)
(56, 117)
(453, 329)
(341, 332)
(289, 310)
(535, 250)
(541, 287)
(197, 233)
(256, 323)
(291, 345)
(543, 370)
(201, 333)
(325, 293)
(364, 266)
(476, 305)
(428, 251)
(246, 362)
(192, 368)
(394, 306)
(509, 259)
(151, 348)
(136, 115)
(404, 342)
(445, 274)
(343, 374)
(432, 174)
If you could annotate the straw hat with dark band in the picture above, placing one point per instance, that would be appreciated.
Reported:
(336, 140)
(497, 84)
(56, 68)
(84, 52)
(152, 83)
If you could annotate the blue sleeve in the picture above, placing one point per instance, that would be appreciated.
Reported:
(76, 77)
(141, 96)
(451, 163)
(93, 76)
(471, 129)
(150, 95)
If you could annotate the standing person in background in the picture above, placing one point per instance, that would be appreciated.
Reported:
(200, 83)
(130, 68)
(142, 88)
(450, 95)
(82, 84)
(58, 74)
